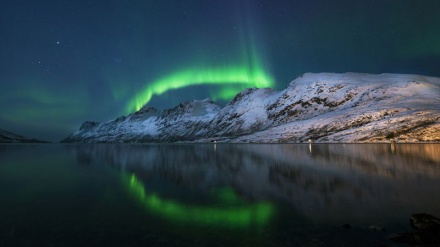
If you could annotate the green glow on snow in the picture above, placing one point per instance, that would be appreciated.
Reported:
(229, 214)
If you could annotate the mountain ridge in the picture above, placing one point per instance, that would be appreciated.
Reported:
(322, 107)
(9, 137)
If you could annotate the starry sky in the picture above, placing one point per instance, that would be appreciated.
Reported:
(64, 62)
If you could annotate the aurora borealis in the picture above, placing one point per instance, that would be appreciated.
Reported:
(63, 62)
(242, 76)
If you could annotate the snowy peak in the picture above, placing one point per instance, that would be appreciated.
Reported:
(192, 109)
(144, 113)
(323, 107)
(187, 121)
(87, 125)
(245, 114)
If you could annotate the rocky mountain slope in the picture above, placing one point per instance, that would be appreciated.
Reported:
(323, 107)
(8, 137)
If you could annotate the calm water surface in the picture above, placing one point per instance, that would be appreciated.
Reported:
(214, 194)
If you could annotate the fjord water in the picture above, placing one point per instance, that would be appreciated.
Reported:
(214, 194)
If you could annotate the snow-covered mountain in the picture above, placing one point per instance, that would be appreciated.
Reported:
(323, 107)
(8, 137)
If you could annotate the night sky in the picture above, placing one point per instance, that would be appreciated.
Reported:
(64, 62)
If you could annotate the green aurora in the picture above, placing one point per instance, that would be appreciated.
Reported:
(228, 215)
(247, 70)
(232, 76)
(63, 64)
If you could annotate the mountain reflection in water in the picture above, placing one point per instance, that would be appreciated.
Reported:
(322, 181)
(214, 194)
